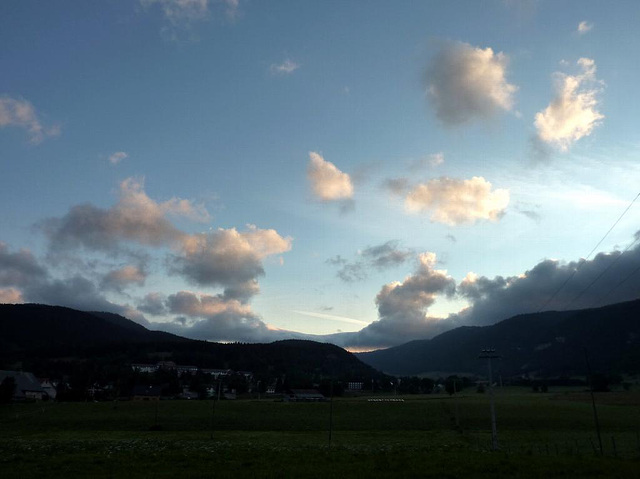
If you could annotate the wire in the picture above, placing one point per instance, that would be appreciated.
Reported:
(588, 256)
(608, 293)
(611, 265)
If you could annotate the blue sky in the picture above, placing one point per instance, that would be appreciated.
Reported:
(366, 172)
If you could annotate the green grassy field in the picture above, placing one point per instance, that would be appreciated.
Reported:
(540, 435)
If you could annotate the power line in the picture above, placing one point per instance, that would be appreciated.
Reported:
(588, 256)
(611, 265)
(608, 293)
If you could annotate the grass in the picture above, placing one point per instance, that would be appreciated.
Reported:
(550, 435)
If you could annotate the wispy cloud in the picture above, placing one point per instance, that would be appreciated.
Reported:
(430, 161)
(182, 15)
(21, 113)
(332, 317)
(287, 67)
(117, 157)
(584, 27)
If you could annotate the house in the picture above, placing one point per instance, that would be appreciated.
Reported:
(355, 385)
(27, 385)
(146, 393)
(218, 373)
(304, 395)
(49, 387)
(144, 368)
(186, 370)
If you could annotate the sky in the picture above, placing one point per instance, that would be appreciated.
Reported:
(365, 173)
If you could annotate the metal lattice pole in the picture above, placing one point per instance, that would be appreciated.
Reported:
(490, 354)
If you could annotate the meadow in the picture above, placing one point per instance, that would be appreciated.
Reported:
(540, 435)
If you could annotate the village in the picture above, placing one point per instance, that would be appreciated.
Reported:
(165, 380)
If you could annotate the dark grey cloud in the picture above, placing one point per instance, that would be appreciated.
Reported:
(20, 268)
(135, 218)
(217, 318)
(384, 256)
(397, 186)
(119, 279)
(605, 279)
(153, 303)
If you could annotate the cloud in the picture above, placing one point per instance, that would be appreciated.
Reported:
(153, 303)
(468, 83)
(20, 268)
(181, 12)
(182, 15)
(584, 27)
(609, 274)
(430, 161)
(216, 318)
(402, 309)
(287, 67)
(397, 186)
(119, 279)
(135, 218)
(328, 183)
(228, 258)
(22, 114)
(453, 201)
(384, 256)
(29, 281)
(573, 113)
(332, 317)
(10, 296)
(117, 157)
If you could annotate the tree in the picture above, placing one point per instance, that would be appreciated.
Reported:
(7, 389)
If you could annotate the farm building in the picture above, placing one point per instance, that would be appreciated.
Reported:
(27, 385)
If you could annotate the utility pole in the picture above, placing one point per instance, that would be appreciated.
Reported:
(331, 412)
(593, 400)
(490, 354)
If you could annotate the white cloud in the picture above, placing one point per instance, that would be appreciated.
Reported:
(328, 183)
(117, 157)
(468, 83)
(452, 201)
(287, 67)
(21, 113)
(573, 113)
(584, 27)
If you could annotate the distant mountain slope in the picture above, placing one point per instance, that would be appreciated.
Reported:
(550, 343)
(38, 336)
(29, 327)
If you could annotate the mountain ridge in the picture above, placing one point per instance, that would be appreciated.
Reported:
(549, 343)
